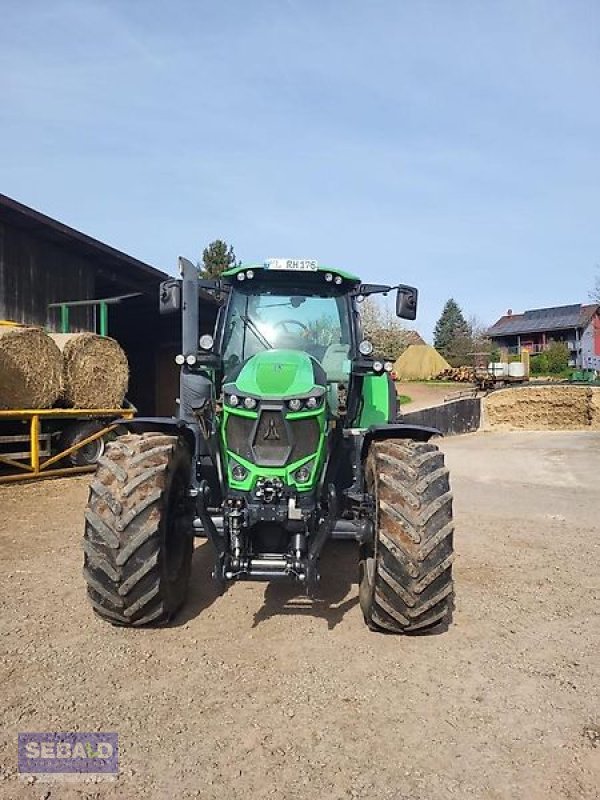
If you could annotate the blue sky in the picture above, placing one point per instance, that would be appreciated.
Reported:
(451, 145)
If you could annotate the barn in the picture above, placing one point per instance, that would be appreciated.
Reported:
(45, 265)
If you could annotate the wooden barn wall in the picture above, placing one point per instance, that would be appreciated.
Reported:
(35, 272)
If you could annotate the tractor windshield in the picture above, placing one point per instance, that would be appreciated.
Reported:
(282, 319)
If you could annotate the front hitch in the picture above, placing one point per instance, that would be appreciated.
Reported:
(217, 539)
(323, 533)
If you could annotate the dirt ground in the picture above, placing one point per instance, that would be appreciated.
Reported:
(260, 693)
(424, 394)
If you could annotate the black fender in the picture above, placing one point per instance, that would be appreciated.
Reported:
(397, 430)
(169, 425)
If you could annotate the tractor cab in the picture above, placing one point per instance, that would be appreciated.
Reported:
(307, 319)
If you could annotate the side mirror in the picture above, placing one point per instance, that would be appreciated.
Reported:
(169, 296)
(406, 302)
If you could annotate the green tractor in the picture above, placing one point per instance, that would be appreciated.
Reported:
(287, 434)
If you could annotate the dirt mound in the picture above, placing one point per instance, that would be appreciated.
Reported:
(420, 362)
(557, 407)
(595, 410)
(30, 368)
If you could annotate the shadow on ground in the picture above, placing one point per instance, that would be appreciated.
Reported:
(339, 571)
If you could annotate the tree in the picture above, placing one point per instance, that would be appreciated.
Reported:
(383, 329)
(595, 293)
(452, 334)
(216, 258)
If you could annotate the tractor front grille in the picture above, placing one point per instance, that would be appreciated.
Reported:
(239, 435)
(271, 440)
(271, 443)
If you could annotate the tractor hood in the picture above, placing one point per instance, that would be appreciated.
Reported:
(279, 374)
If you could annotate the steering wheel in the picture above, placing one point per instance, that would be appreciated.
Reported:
(283, 323)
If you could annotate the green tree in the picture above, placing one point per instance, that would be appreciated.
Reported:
(452, 336)
(558, 358)
(216, 258)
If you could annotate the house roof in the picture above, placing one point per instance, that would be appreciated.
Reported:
(544, 319)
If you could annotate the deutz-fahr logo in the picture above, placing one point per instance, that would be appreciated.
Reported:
(271, 434)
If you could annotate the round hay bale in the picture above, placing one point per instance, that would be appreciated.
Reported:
(95, 372)
(30, 368)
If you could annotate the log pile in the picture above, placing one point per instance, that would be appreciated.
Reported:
(458, 374)
(30, 368)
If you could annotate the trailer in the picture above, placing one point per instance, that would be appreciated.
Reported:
(50, 442)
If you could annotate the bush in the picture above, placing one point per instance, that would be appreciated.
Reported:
(539, 364)
(553, 361)
(558, 358)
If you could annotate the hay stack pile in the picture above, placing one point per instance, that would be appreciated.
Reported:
(595, 409)
(30, 368)
(94, 370)
(420, 362)
(558, 407)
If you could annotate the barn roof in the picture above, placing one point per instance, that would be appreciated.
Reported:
(544, 319)
(18, 214)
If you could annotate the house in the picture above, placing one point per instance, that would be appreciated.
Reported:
(44, 262)
(577, 326)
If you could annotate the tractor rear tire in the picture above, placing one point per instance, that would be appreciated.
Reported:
(406, 574)
(138, 540)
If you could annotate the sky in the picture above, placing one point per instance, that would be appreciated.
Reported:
(453, 146)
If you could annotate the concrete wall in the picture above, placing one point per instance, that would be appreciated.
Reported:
(458, 416)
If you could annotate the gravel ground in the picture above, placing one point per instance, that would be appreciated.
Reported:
(261, 693)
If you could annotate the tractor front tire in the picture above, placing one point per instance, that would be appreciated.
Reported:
(406, 573)
(138, 540)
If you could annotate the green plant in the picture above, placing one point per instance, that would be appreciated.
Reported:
(557, 356)
(539, 364)
(403, 399)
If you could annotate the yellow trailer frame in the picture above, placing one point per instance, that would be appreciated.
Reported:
(34, 466)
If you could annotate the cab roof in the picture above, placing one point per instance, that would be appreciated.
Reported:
(347, 276)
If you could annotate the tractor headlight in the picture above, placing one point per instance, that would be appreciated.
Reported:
(377, 366)
(388, 366)
(239, 473)
(312, 402)
(191, 359)
(303, 474)
(328, 277)
(250, 403)
(295, 404)
(234, 400)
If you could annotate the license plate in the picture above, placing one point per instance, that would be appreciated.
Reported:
(293, 264)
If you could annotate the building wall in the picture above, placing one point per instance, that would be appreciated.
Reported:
(590, 345)
(35, 272)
